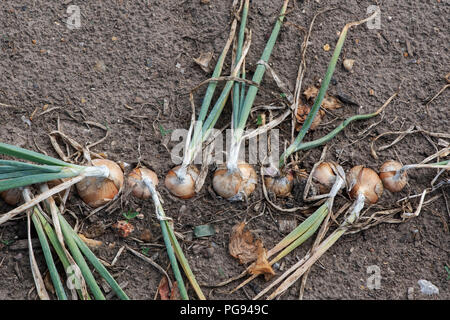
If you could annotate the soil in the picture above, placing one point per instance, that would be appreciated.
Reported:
(129, 59)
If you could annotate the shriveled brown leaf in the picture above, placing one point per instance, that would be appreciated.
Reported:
(124, 228)
(91, 243)
(261, 265)
(331, 103)
(175, 294)
(311, 92)
(302, 113)
(164, 291)
(243, 247)
(203, 60)
(48, 283)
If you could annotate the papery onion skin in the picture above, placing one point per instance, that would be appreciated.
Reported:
(97, 191)
(324, 177)
(184, 189)
(12, 196)
(280, 185)
(364, 181)
(136, 184)
(233, 185)
(388, 171)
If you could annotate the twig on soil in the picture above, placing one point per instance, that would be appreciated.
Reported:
(153, 263)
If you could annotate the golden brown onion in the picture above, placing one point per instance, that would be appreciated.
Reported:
(184, 189)
(388, 174)
(12, 196)
(280, 185)
(136, 184)
(97, 191)
(364, 181)
(324, 177)
(233, 185)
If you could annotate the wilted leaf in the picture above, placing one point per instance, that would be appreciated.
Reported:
(311, 92)
(328, 102)
(302, 113)
(164, 290)
(243, 247)
(261, 266)
(124, 228)
(331, 103)
(203, 60)
(91, 243)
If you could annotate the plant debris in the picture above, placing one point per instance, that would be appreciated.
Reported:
(165, 293)
(124, 228)
(203, 61)
(243, 247)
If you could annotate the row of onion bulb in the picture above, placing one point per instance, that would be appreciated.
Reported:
(97, 191)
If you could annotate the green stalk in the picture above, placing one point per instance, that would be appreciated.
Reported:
(185, 264)
(332, 134)
(56, 280)
(59, 250)
(237, 85)
(258, 75)
(308, 228)
(165, 232)
(37, 178)
(93, 259)
(323, 247)
(29, 155)
(78, 257)
(323, 89)
(173, 260)
(208, 96)
(301, 228)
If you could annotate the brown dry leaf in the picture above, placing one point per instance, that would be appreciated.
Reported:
(48, 283)
(164, 290)
(203, 60)
(91, 243)
(124, 228)
(302, 113)
(261, 265)
(331, 103)
(311, 92)
(175, 295)
(243, 247)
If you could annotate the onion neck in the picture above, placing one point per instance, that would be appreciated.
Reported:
(99, 172)
(232, 162)
(158, 207)
(358, 205)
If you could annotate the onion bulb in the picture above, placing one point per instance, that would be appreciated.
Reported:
(234, 184)
(136, 184)
(366, 182)
(97, 191)
(182, 187)
(390, 174)
(324, 176)
(12, 196)
(281, 185)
